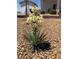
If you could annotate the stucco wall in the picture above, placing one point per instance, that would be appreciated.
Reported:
(47, 4)
(50, 1)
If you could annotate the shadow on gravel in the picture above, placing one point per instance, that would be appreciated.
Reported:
(43, 46)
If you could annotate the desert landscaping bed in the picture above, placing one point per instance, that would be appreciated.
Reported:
(51, 26)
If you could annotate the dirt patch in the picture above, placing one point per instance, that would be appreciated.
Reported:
(50, 26)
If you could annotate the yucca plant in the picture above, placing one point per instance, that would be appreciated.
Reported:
(35, 36)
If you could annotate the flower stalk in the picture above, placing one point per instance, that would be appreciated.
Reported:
(35, 19)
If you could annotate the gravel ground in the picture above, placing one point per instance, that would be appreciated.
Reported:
(52, 27)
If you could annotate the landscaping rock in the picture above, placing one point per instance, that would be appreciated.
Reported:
(50, 26)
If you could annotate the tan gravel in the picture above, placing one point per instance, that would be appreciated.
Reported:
(52, 27)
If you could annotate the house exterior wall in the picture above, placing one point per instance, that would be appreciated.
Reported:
(58, 4)
(48, 4)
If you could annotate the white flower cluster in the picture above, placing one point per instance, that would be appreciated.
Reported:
(34, 18)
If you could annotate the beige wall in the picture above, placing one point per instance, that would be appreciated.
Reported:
(49, 1)
(48, 4)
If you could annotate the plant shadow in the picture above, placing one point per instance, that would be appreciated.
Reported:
(43, 46)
